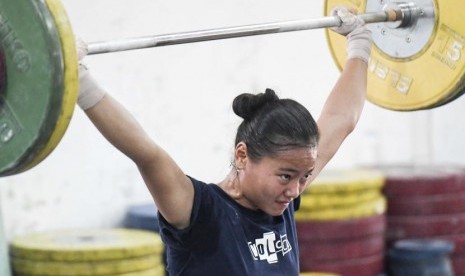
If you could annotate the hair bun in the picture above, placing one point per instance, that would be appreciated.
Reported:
(246, 105)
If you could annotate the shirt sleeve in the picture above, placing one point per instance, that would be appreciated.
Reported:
(182, 238)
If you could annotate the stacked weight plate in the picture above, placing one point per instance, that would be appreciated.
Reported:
(144, 217)
(420, 257)
(341, 223)
(109, 252)
(427, 202)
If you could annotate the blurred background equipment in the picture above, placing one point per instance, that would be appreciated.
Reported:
(341, 223)
(88, 252)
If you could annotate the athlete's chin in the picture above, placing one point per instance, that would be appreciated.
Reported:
(277, 211)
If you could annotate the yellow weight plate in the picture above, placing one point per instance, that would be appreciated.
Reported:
(113, 267)
(86, 245)
(430, 76)
(68, 46)
(346, 181)
(157, 271)
(362, 210)
(324, 201)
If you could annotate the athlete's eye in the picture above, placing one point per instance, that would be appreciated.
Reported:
(285, 177)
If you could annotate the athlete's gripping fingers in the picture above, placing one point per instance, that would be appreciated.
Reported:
(349, 19)
(90, 92)
(82, 48)
(359, 38)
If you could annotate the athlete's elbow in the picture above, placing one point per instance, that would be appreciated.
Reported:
(351, 123)
(146, 157)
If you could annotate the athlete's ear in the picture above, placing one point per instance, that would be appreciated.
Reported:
(240, 155)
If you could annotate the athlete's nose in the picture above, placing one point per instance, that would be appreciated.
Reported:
(292, 190)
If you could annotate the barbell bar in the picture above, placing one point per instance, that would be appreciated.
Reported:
(38, 69)
(391, 14)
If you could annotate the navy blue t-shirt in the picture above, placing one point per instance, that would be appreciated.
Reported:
(225, 238)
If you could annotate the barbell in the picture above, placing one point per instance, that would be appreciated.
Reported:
(39, 78)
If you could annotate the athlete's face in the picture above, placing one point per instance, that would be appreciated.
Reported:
(271, 183)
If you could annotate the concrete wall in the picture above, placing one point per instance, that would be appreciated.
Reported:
(182, 96)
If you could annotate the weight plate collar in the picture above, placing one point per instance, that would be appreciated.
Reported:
(403, 42)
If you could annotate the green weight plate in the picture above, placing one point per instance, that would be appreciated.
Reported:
(31, 103)
(70, 92)
(86, 245)
(113, 267)
(2, 74)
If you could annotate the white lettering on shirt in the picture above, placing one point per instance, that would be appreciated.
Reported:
(268, 247)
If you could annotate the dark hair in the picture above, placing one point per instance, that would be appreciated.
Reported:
(271, 124)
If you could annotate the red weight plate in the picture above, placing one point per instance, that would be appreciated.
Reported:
(402, 227)
(365, 266)
(426, 204)
(342, 249)
(340, 229)
(458, 263)
(409, 180)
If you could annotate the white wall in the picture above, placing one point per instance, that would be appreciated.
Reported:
(182, 96)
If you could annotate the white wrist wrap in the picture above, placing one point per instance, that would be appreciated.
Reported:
(90, 93)
(359, 43)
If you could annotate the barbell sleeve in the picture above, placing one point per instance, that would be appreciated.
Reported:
(390, 15)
